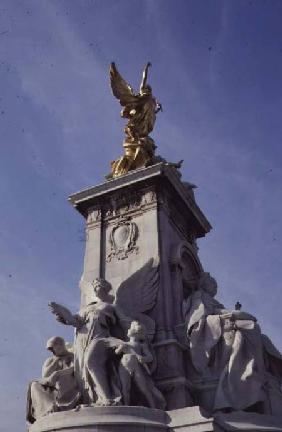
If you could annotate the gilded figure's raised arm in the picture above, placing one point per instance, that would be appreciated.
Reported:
(144, 77)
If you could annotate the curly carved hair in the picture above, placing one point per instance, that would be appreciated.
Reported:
(136, 328)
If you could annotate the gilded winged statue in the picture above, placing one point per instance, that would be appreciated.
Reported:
(102, 326)
(140, 109)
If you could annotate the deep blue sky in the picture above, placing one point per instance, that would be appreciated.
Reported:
(217, 68)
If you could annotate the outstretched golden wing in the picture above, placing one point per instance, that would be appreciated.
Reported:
(120, 88)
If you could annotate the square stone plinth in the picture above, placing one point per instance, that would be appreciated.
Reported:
(148, 214)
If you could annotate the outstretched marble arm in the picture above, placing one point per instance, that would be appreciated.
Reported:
(64, 316)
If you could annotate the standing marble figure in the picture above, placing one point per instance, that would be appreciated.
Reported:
(101, 326)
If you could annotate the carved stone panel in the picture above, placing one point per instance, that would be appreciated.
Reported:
(120, 204)
(94, 215)
(122, 239)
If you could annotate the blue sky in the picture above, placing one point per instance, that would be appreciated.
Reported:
(217, 68)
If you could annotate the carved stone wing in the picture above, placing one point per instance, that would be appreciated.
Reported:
(138, 293)
(120, 88)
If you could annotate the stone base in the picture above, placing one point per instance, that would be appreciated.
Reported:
(244, 421)
(104, 419)
(141, 419)
(190, 419)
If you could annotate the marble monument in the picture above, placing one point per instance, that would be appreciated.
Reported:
(153, 348)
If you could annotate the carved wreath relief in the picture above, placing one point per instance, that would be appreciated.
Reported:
(122, 240)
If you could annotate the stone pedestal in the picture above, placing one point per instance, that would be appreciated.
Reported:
(247, 421)
(148, 213)
(104, 419)
(125, 419)
(140, 419)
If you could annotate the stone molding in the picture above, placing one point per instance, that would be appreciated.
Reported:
(178, 256)
(139, 179)
(121, 205)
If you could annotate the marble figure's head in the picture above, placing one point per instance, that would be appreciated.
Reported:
(57, 346)
(208, 284)
(136, 329)
(102, 288)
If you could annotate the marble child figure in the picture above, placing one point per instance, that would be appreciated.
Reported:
(135, 368)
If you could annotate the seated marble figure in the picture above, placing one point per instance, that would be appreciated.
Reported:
(229, 346)
(57, 389)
